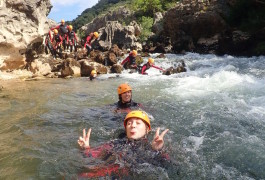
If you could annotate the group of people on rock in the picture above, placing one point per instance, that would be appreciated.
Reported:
(133, 149)
(64, 36)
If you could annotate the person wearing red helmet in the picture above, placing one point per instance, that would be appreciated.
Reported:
(89, 40)
(131, 151)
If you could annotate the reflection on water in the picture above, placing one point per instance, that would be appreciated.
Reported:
(215, 113)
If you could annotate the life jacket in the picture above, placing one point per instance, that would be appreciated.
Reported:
(57, 38)
(147, 66)
(120, 152)
(63, 29)
(130, 104)
(71, 35)
(132, 60)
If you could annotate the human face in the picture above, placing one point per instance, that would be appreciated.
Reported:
(126, 97)
(136, 128)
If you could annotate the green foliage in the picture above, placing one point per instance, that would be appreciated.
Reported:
(146, 23)
(248, 15)
(142, 8)
(89, 14)
(148, 7)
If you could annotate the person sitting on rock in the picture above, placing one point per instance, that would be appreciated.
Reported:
(130, 61)
(57, 42)
(89, 40)
(63, 30)
(71, 39)
(147, 66)
(122, 156)
(93, 75)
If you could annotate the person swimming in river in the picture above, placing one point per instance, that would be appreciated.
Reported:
(93, 74)
(148, 65)
(125, 103)
(131, 151)
(130, 61)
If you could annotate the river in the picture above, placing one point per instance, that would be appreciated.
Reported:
(215, 113)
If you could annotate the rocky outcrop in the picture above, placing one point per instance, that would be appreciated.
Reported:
(113, 32)
(124, 36)
(200, 26)
(23, 24)
(100, 22)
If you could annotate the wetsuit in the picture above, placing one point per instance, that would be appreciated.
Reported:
(71, 40)
(124, 156)
(48, 43)
(129, 62)
(88, 43)
(63, 30)
(57, 42)
(127, 107)
(146, 67)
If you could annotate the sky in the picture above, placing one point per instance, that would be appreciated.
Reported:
(69, 9)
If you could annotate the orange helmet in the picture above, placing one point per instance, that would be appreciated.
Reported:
(55, 31)
(70, 27)
(93, 72)
(62, 21)
(138, 114)
(96, 34)
(134, 53)
(151, 61)
(123, 88)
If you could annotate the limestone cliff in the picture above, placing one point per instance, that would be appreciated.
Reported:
(23, 23)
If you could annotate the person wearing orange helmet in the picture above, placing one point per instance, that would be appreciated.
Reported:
(71, 39)
(129, 62)
(132, 150)
(89, 41)
(148, 65)
(93, 74)
(125, 102)
(62, 30)
(57, 42)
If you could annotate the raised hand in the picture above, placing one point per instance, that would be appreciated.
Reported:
(158, 141)
(84, 141)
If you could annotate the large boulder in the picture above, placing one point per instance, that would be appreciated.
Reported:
(124, 36)
(70, 67)
(23, 23)
(87, 66)
(118, 15)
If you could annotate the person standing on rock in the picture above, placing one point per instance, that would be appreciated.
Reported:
(148, 65)
(57, 42)
(63, 30)
(130, 61)
(89, 40)
(71, 39)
